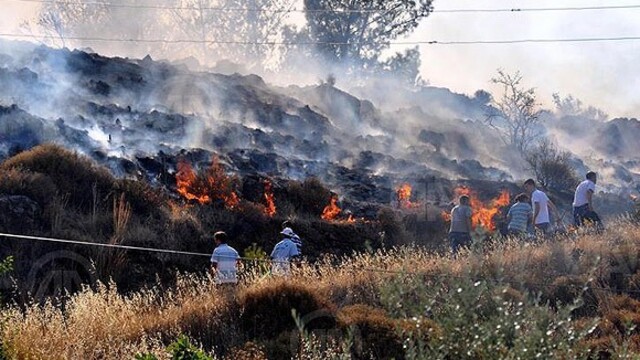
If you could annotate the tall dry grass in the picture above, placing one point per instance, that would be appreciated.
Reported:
(594, 274)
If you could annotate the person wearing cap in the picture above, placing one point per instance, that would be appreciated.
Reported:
(583, 202)
(294, 237)
(224, 261)
(283, 253)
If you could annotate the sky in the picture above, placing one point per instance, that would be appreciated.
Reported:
(602, 74)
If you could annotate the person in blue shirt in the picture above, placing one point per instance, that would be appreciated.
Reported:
(291, 234)
(283, 253)
(224, 260)
(520, 216)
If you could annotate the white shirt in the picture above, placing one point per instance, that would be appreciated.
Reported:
(281, 254)
(226, 259)
(582, 190)
(543, 201)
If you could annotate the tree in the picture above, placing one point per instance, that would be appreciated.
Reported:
(354, 33)
(404, 67)
(551, 166)
(570, 106)
(57, 20)
(240, 30)
(515, 115)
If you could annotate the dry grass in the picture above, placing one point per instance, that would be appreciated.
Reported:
(102, 324)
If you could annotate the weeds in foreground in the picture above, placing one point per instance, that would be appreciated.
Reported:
(566, 298)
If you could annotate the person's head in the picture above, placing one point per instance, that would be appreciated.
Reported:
(286, 224)
(220, 237)
(523, 198)
(529, 185)
(592, 176)
(464, 200)
(287, 233)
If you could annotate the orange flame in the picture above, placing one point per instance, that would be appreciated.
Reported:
(403, 194)
(270, 207)
(483, 214)
(204, 187)
(189, 186)
(332, 210)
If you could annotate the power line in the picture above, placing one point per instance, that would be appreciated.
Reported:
(298, 10)
(353, 268)
(287, 43)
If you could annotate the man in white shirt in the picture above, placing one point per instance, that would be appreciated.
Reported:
(542, 207)
(224, 261)
(583, 202)
(282, 254)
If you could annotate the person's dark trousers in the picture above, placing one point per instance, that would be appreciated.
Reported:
(582, 215)
(459, 240)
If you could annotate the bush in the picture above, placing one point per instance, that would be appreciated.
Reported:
(309, 197)
(551, 167)
(267, 310)
(182, 349)
(72, 174)
(376, 335)
(37, 187)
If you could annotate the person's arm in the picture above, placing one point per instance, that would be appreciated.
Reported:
(536, 211)
(469, 224)
(590, 199)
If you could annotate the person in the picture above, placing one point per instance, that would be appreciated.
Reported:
(224, 261)
(283, 253)
(542, 207)
(583, 202)
(294, 237)
(460, 230)
(519, 217)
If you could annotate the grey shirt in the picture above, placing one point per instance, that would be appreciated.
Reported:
(459, 216)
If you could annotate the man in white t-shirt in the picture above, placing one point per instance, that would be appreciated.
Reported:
(583, 202)
(224, 261)
(542, 207)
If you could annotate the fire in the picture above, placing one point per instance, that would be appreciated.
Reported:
(211, 185)
(483, 214)
(332, 210)
(633, 197)
(189, 185)
(270, 204)
(404, 193)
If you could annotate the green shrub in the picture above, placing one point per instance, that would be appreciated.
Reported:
(182, 349)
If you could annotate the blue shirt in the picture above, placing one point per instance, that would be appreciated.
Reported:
(520, 213)
(281, 254)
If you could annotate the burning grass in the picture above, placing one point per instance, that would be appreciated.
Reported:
(502, 300)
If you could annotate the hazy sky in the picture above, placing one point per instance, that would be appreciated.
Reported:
(603, 74)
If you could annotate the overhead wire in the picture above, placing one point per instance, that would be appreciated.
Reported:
(331, 43)
(345, 10)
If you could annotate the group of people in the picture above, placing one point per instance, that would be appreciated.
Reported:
(225, 260)
(532, 212)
